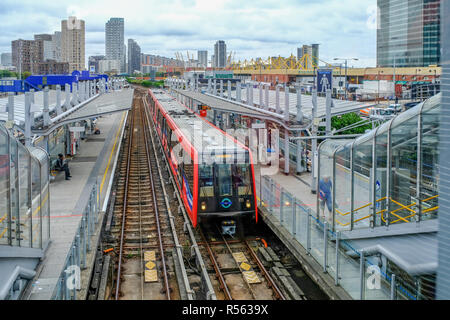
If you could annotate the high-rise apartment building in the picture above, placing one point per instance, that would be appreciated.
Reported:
(56, 46)
(25, 56)
(44, 45)
(220, 54)
(115, 41)
(73, 43)
(202, 57)
(408, 33)
(93, 63)
(134, 57)
(312, 52)
(110, 66)
(6, 59)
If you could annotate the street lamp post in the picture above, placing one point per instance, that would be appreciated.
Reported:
(346, 59)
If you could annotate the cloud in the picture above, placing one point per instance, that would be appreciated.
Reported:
(252, 28)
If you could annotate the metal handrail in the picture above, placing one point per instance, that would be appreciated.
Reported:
(403, 207)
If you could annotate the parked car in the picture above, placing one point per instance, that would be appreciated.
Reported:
(410, 105)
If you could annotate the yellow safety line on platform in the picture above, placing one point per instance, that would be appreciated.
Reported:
(110, 157)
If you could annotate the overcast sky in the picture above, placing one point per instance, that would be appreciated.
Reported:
(251, 28)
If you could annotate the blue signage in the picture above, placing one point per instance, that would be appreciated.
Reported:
(188, 192)
(324, 80)
(226, 203)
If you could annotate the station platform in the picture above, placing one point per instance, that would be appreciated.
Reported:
(288, 207)
(90, 167)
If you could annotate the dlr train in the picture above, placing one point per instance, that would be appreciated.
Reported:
(213, 171)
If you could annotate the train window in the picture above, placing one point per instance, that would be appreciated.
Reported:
(206, 178)
(173, 139)
(241, 179)
(224, 183)
(158, 119)
(164, 127)
(188, 168)
(169, 137)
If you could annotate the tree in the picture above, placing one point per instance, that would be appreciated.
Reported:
(345, 120)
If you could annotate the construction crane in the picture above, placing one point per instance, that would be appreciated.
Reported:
(229, 59)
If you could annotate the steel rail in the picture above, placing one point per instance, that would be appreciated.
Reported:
(231, 252)
(177, 246)
(141, 252)
(125, 194)
(155, 203)
(269, 279)
(219, 274)
(209, 291)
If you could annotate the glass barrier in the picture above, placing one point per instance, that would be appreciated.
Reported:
(81, 246)
(45, 201)
(429, 158)
(36, 204)
(24, 183)
(56, 143)
(14, 192)
(24, 195)
(387, 176)
(4, 193)
(362, 186)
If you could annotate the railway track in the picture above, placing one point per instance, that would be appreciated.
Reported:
(141, 220)
(152, 232)
(239, 271)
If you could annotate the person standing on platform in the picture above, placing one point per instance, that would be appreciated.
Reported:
(325, 187)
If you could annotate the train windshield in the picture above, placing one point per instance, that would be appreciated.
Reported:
(241, 179)
(206, 174)
(227, 180)
(223, 175)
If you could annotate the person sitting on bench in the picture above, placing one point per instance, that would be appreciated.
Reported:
(61, 165)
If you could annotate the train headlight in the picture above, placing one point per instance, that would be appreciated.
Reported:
(203, 205)
(248, 204)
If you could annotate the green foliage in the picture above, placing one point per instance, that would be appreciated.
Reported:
(147, 83)
(26, 75)
(6, 74)
(345, 120)
(11, 74)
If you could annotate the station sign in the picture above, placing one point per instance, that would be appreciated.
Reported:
(258, 125)
(324, 80)
(77, 129)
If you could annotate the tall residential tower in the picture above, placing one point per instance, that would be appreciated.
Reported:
(73, 43)
(202, 57)
(220, 54)
(134, 57)
(115, 41)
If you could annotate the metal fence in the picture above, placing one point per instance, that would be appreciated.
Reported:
(69, 280)
(359, 275)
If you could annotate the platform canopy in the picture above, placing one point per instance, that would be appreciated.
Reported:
(112, 102)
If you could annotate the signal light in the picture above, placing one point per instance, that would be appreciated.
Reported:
(203, 205)
(248, 204)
